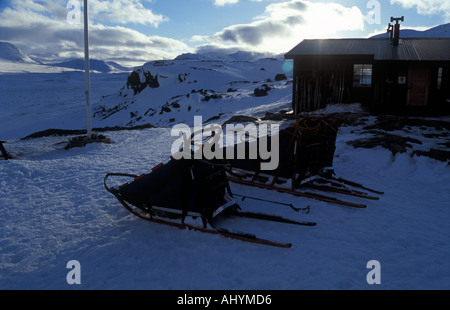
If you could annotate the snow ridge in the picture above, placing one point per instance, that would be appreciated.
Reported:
(10, 52)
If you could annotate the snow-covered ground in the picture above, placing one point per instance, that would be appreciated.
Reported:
(35, 101)
(55, 208)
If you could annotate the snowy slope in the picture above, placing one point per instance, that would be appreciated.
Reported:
(210, 88)
(34, 101)
(9, 52)
(21, 67)
(191, 85)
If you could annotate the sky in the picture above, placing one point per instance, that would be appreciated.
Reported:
(132, 32)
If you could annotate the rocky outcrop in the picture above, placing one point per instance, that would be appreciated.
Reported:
(134, 81)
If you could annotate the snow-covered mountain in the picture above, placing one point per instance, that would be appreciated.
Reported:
(441, 31)
(13, 60)
(237, 56)
(95, 65)
(167, 92)
(9, 52)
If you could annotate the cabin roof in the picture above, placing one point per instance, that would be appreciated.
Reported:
(408, 49)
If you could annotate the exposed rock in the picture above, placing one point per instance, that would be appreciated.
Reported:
(394, 143)
(209, 97)
(280, 77)
(175, 104)
(261, 92)
(390, 123)
(258, 92)
(213, 118)
(399, 144)
(165, 109)
(435, 154)
(282, 115)
(134, 81)
(241, 119)
(69, 132)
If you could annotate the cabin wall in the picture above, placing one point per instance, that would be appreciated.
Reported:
(390, 82)
(401, 87)
(320, 80)
(440, 96)
(419, 88)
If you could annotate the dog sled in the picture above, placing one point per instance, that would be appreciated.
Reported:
(183, 192)
(306, 153)
(191, 192)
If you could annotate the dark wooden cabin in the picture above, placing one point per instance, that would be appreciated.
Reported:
(394, 75)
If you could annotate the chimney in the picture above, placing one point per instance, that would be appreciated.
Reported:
(394, 30)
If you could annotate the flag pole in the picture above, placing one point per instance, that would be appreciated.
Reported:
(90, 137)
(87, 70)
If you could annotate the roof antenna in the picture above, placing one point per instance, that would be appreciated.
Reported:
(394, 30)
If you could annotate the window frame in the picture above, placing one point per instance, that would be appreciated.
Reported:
(362, 75)
(439, 78)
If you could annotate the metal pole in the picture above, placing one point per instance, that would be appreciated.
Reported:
(87, 70)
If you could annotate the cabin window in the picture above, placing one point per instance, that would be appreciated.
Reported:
(439, 79)
(362, 75)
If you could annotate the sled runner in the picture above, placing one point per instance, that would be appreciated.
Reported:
(183, 189)
(306, 152)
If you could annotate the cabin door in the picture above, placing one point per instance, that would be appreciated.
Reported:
(419, 79)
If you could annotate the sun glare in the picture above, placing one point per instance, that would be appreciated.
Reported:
(326, 20)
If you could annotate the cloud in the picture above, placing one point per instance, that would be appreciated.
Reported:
(124, 12)
(117, 11)
(427, 7)
(227, 2)
(42, 31)
(224, 2)
(252, 34)
(284, 24)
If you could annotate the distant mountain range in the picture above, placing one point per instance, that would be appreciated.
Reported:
(10, 54)
(94, 64)
(441, 31)
(12, 59)
(237, 56)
